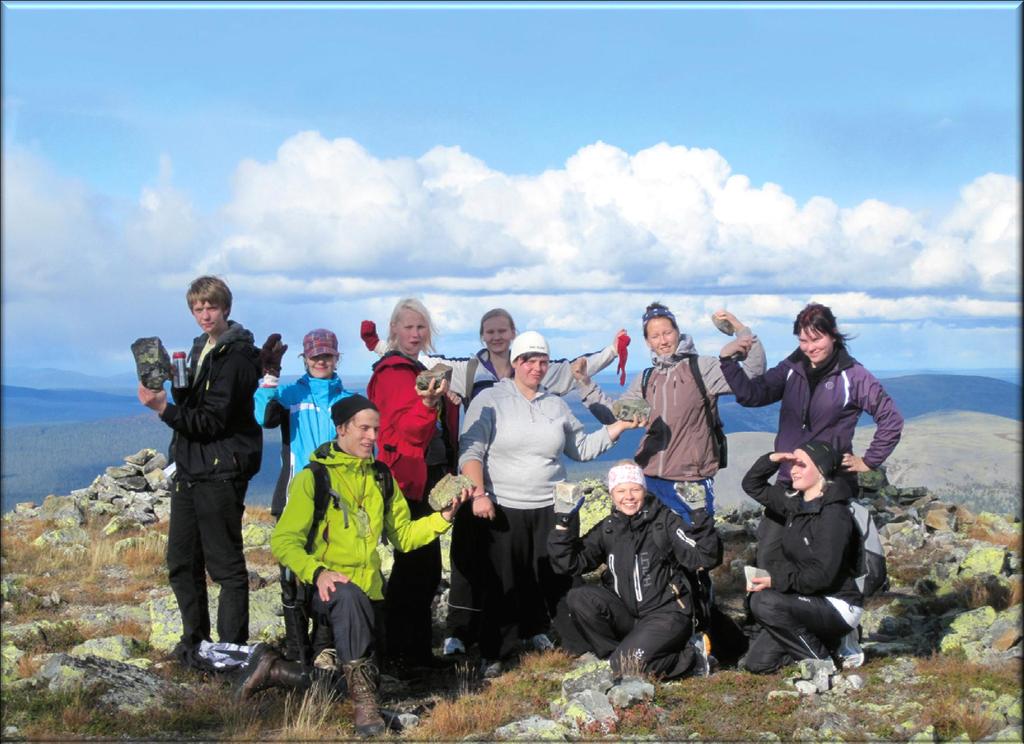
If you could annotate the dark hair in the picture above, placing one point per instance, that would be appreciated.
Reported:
(818, 317)
(657, 310)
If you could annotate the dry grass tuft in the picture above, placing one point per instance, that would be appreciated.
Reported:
(306, 718)
(28, 665)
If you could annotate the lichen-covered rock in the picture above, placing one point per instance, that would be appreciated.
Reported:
(446, 490)
(127, 688)
(940, 517)
(589, 708)
(632, 408)
(120, 523)
(119, 472)
(872, 480)
(9, 655)
(567, 495)
(438, 372)
(967, 630)
(1005, 631)
(995, 529)
(155, 479)
(142, 457)
(533, 728)
(158, 461)
(152, 362)
(62, 511)
(596, 675)
(115, 648)
(984, 560)
(26, 509)
(630, 691)
(63, 537)
(257, 534)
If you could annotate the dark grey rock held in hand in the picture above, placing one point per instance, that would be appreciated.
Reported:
(152, 362)
(442, 495)
(437, 372)
(627, 410)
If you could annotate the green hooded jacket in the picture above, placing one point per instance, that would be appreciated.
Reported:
(346, 541)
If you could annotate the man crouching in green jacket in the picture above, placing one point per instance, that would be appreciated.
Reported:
(343, 564)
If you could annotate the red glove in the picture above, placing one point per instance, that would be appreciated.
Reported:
(368, 332)
(622, 342)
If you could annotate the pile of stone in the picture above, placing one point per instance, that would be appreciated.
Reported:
(136, 493)
(590, 703)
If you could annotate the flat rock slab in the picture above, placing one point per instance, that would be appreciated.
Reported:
(127, 688)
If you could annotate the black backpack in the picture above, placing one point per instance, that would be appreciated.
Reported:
(719, 439)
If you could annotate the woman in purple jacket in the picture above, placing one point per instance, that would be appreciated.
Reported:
(823, 391)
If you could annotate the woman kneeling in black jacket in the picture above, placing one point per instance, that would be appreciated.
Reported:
(809, 600)
(642, 613)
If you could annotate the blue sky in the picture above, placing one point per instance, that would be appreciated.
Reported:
(569, 163)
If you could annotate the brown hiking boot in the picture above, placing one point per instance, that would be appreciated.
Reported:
(361, 677)
(267, 668)
(258, 674)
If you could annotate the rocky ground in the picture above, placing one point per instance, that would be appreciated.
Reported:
(88, 621)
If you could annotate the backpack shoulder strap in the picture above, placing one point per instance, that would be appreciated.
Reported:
(471, 367)
(385, 481)
(645, 377)
(713, 423)
(321, 494)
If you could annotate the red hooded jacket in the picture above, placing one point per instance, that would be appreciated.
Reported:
(406, 425)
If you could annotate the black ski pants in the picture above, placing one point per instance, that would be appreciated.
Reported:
(655, 643)
(205, 534)
(793, 627)
(468, 576)
(522, 592)
(409, 595)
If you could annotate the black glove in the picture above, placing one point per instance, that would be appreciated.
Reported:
(271, 355)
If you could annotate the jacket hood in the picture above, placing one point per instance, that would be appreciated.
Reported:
(837, 491)
(686, 346)
(843, 360)
(236, 332)
(329, 454)
(397, 359)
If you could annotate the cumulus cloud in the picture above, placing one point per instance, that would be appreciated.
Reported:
(326, 233)
(664, 216)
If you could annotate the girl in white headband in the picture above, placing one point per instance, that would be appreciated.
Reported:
(640, 616)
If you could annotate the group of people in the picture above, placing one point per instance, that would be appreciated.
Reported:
(517, 554)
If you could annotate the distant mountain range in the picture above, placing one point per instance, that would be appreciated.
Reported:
(55, 440)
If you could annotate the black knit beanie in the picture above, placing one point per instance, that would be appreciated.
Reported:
(824, 456)
(348, 407)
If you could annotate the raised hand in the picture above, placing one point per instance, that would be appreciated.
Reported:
(368, 332)
(271, 355)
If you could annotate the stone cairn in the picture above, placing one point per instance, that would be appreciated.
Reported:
(132, 495)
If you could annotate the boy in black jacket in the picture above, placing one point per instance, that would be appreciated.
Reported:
(641, 615)
(216, 446)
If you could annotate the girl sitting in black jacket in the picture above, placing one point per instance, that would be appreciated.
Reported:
(641, 615)
(809, 600)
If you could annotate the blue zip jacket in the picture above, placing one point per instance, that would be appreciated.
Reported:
(303, 411)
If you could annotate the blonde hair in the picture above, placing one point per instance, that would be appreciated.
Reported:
(413, 305)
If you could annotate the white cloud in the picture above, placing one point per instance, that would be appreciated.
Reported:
(326, 233)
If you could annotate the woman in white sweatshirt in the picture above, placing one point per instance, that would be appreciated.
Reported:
(513, 437)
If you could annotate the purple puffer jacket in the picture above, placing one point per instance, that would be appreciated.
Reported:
(830, 415)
